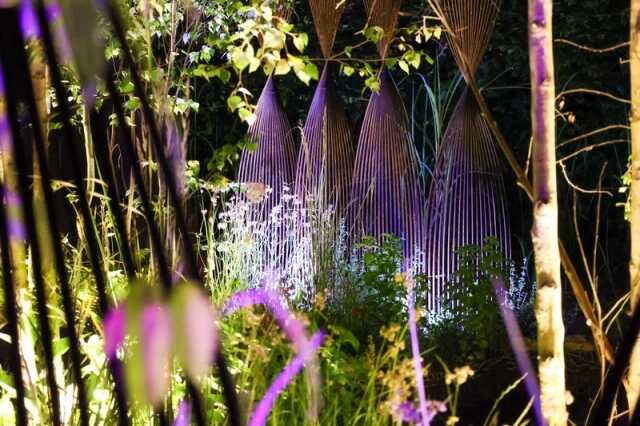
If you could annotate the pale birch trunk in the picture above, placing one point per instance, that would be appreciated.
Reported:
(544, 233)
(633, 390)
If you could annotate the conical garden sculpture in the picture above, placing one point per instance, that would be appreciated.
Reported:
(466, 202)
(387, 194)
(325, 159)
(272, 163)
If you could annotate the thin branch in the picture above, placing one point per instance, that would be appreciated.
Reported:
(592, 133)
(591, 148)
(593, 92)
(592, 49)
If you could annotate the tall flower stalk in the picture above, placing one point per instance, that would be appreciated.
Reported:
(544, 234)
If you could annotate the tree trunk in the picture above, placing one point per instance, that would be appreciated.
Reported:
(633, 390)
(544, 233)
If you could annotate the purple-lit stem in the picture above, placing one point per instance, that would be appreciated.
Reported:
(519, 350)
(290, 325)
(295, 331)
(183, 418)
(415, 350)
(263, 409)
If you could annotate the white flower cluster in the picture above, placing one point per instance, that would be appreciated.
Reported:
(302, 243)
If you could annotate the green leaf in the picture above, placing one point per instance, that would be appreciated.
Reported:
(348, 70)
(374, 34)
(242, 58)
(285, 27)
(246, 116)
(273, 40)
(300, 41)
(282, 67)
(132, 104)
(126, 87)
(373, 83)
(413, 58)
(6, 381)
(235, 102)
(310, 71)
(60, 347)
(254, 64)
(404, 66)
(390, 62)
(295, 62)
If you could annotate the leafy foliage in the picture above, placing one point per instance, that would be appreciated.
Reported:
(470, 327)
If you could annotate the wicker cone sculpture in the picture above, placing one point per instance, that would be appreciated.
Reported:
(387, 195)
(325, 160)
(271, 165)
(467, 201)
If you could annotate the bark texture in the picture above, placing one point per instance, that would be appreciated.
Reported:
(544, 234)
(633, 390)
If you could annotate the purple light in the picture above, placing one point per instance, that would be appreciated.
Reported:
(325, 160)
(293, 328)
(15, 225)
(415, 350)
(467, 198)
(295, 331)
(263, 409)
(273, 161)
(407, 412)
(184, 414)
(156, 335)
(28, 21)
(114, 325)
(387, 194)
(519, 350)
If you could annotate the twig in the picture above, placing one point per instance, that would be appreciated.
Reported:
(576, 187)
(592, 49)
(592, 133)
(591, 148)
(593, 92)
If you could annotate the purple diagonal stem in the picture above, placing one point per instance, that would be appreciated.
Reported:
(415, 350)
(290, 325)
(263, 409)
(519, 350)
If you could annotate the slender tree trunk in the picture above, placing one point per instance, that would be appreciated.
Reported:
(544, 234)
(633, 390)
